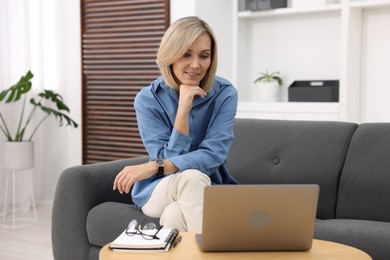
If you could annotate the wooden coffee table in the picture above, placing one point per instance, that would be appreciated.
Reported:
(188, 249)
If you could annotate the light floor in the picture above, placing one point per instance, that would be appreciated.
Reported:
(28, 243)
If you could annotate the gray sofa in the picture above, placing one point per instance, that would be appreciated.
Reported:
(350, 163)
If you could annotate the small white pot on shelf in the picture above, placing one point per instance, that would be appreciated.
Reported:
(268, 91)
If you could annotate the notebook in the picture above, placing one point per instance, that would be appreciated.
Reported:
(137, 243)
(258, 217)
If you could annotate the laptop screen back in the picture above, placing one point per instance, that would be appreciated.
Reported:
(259, 217)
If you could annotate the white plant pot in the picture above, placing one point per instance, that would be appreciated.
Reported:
(268, 91)
(18, 155)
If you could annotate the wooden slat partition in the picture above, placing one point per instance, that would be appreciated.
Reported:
(119, 44)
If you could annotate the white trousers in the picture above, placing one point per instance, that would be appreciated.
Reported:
(178, 200)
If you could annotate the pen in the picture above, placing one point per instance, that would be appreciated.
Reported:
(177, 241)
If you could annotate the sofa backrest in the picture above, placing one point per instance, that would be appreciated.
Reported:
(291, 152)
(365, 180)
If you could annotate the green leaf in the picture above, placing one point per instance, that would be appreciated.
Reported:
(269, 77)
(55, 98)
(15, 92)
(57, 114)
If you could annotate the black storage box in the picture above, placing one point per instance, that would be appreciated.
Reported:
(314, 91)
(254, 5)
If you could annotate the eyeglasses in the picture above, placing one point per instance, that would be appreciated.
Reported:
(148, 232)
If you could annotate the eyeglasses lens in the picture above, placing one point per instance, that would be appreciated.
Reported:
(150, 226)
(132, 228)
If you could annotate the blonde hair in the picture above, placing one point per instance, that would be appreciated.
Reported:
(175, 43)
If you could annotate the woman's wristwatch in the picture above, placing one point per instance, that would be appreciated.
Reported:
(160, 164)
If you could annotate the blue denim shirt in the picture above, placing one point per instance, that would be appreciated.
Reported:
(211, 132)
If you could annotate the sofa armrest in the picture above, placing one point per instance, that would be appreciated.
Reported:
(78, 190)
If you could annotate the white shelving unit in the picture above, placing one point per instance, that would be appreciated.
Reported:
(324, 42)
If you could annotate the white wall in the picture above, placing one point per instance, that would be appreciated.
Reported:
(375, 104)
(182, 8)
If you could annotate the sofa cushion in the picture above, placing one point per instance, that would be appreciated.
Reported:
(281, 151)
(369, 236)
(364, 185)
(106, 221)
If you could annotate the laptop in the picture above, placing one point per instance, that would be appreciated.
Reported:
(258, 217)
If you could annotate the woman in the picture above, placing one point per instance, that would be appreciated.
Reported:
(185, 118)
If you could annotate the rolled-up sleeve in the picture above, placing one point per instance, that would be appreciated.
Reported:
(178, 144)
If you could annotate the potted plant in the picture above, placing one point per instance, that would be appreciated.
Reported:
(16, 143)
(268, 85)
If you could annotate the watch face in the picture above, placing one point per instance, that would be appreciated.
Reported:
(160, 162)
